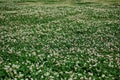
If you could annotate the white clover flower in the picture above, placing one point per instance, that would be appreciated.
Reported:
(15, 66)
(47, 74)
(10, 50)
(91, 74)
(20, 75)
(18, 53)
(26, 79)
(79, 74)
(90, 78)
(103, 75)
(14, 71)
(38, 72)
(95, 64)
(82, 78)
(28, 62)
(51, 78)
(70, 79)
(32, 79)
(1, 60)
(31, 68)
(15, 78)
(42, 76)
(6, 67)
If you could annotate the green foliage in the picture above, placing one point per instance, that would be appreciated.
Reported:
(59, 39)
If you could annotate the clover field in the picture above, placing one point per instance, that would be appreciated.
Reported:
(59, 39)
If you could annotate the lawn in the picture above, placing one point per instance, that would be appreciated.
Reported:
(59, 39)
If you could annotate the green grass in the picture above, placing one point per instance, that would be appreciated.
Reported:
(59, 39)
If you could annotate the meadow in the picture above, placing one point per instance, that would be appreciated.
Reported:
(59, 39)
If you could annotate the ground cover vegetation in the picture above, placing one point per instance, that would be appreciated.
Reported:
(59, 39)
